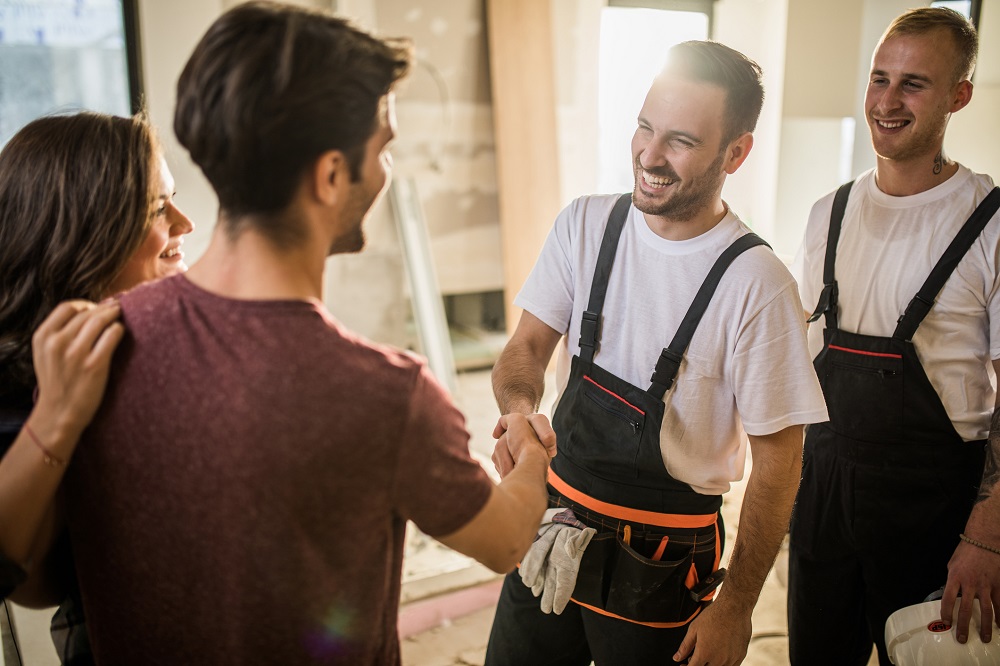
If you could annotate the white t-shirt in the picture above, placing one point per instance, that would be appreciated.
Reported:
(888, 246)
(748, 365)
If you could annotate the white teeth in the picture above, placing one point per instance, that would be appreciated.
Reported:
(654, 180)
(898, 123)
(174, 251)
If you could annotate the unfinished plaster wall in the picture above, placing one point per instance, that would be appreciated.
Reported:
(445, 145)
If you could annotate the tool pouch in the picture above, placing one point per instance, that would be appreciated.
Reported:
(616, 579)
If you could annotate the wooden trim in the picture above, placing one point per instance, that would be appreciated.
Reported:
(524, 120)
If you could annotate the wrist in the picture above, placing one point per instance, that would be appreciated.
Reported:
(979, 544)
(519, 407)
(730, 601)
(983, 523)
(58, 435)
(533, 453)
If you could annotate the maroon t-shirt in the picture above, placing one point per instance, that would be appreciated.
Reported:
(242, 494)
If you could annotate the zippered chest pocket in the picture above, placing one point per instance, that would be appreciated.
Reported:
(864, 393)
(614, 404)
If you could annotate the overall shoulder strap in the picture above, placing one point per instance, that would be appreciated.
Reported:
(921, 304)
(590, 326)
(828, 297)
(670, 358)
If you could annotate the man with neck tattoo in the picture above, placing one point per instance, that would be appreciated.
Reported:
(899, 493)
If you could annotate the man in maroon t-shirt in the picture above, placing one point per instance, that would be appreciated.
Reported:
(243, 492)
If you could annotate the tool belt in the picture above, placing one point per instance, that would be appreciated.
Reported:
(658, 570)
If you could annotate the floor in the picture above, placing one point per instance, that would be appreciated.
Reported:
(448, 601)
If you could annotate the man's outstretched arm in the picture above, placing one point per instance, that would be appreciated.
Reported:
(519, 379)
(503, 530)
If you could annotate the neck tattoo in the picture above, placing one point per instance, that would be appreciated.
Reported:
(938, 163)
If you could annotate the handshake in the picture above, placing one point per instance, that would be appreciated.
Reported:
(551, 564)
(520, 436)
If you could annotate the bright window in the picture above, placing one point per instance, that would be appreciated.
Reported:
(633, 49)
(61, 55)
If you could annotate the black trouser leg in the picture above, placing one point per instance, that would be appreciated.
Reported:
(523, 635)
(827, 622)
(616, 642)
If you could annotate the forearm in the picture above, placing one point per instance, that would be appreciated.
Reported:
(764, 517)
(526, 498)
(28, 486)
(44, 585)
(984, 521)
(518, 380)
(504, 529)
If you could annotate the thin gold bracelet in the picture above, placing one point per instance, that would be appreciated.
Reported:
(979, 544)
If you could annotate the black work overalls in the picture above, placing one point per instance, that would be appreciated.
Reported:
(887, 482)
(656, 537)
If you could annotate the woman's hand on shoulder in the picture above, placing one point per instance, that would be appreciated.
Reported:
(72, 352)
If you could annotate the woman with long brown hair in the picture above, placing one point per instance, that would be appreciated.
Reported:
(86, 212)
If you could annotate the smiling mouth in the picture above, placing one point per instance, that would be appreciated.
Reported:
(891, 124)
(655, 181)
(172, 252)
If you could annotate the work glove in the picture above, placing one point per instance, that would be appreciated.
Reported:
(563, 566)
(535, 560)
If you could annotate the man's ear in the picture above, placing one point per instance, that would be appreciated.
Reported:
(962, 97)
(331, 176)
(737, 152)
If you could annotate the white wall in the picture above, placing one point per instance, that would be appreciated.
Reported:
(577, 26)
(757, 28)
(974, 132)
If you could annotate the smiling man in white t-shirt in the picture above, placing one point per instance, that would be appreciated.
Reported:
(888, 511)
(644, 461)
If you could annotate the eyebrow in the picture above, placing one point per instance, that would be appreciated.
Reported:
(675, 133)
(906, 76)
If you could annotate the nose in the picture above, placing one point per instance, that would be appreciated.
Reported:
(644, 152)
(889, 99)
(651, 158)
(180, 224)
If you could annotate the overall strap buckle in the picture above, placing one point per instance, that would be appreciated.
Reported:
(665, 372)
(827, 301)
(590, 335)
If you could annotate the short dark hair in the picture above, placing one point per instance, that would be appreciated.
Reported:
(268, 89)
(75, 198)
(712, 62)
(923, 20)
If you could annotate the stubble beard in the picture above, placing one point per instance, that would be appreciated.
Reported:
(686, 203)
(354, 240)
(917, 145)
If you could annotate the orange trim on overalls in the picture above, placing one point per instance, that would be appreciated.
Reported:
(645, 517)
(654, 625)
(632, 515)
